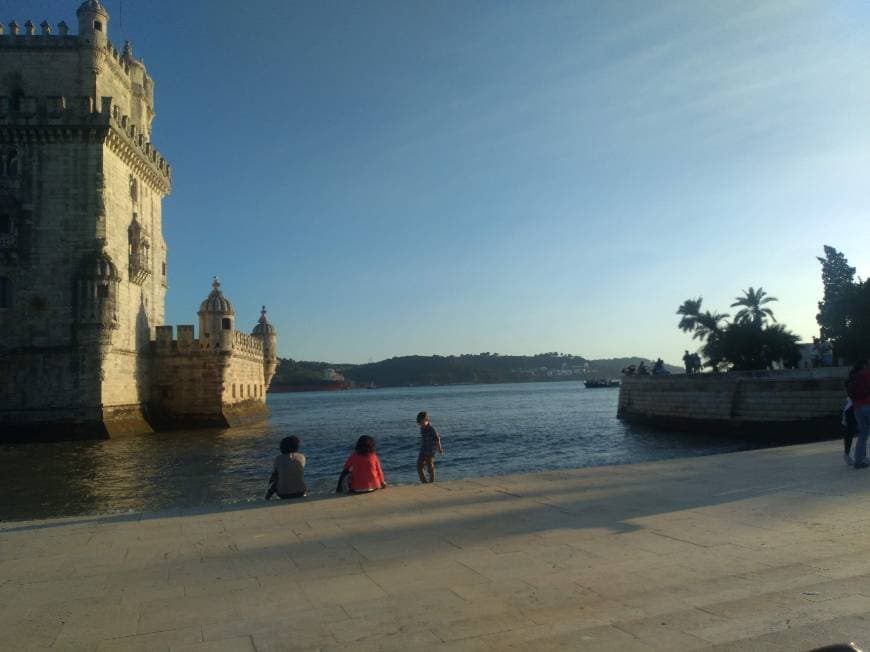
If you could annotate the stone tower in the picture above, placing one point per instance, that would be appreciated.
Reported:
(82, 256)
(266, 332)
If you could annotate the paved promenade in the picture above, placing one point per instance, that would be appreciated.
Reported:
(762, 550)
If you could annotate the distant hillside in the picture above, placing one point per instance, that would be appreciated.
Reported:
(462, 369)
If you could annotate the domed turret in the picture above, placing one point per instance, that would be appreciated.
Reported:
(263, 327)
(265, 331)
(93, 23)
(216, 319)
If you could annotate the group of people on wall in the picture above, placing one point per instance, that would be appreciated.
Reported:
(640, 369)
(361, 473)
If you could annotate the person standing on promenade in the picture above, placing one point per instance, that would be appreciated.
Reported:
(858, 389)
(364, 469)
(430, 441)
(288, 471)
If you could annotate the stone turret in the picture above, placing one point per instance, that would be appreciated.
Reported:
(96, 298)
(93, 23)
(266, 332)
(216, 320)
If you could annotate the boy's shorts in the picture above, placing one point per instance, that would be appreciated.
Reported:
(424, 458)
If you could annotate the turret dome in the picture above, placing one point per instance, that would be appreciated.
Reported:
(216, 302)
(91, 7)
(263, 326)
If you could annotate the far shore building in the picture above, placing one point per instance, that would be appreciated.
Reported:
(83, 262)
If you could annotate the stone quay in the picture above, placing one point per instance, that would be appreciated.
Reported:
(759, 550)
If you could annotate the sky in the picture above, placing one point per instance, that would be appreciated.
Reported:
(446, 177)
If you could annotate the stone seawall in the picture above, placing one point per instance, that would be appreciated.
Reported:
(801, 400)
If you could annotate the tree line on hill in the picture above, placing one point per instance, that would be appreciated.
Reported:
(455, 369)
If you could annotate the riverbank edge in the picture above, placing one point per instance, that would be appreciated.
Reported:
(218, 507)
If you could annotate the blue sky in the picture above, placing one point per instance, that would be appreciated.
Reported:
(449, 177)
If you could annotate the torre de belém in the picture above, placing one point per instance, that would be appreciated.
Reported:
(83, 268)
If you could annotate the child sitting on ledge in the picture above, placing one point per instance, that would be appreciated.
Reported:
(288, 471)
(364, 469)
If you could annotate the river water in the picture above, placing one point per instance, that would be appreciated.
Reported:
(486, 430)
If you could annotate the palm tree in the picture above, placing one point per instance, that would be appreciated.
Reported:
(690, 311)
(753, 311)
(708, 325)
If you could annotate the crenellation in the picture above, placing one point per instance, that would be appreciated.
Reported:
(185, 337)
(29, 39)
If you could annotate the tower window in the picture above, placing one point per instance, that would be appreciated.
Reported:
(9, 163)
(5, 223)
(5, 293)
(103, 291)
(164, 269)
(98, 26)
(226, 323)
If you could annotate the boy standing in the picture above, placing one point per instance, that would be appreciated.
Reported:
(430, 441)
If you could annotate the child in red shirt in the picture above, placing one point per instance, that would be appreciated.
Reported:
(364, 468)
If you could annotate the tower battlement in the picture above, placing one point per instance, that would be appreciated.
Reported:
(240, 343)
(57, 116)
(13, 36)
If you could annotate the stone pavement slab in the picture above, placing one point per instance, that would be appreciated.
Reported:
(759, 550)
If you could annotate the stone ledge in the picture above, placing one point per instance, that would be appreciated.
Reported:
(702, 553)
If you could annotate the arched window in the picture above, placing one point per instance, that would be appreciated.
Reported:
(226, 323)
(5, 293)
(98, 26)
(9, 162)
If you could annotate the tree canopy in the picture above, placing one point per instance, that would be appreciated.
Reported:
(844, 311)
(746, 343)
(752, 307)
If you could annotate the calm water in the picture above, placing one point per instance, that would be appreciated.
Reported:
(486, 430)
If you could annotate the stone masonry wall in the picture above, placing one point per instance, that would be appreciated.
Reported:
(76, 119)
(199, 385)
(734, 400)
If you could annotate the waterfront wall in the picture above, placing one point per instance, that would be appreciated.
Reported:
(806, 400)
(196, 384)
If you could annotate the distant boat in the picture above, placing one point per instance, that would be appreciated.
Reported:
(597, 383)
(371, 385)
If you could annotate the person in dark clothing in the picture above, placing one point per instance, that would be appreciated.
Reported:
(850, 429)
(430, 441)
